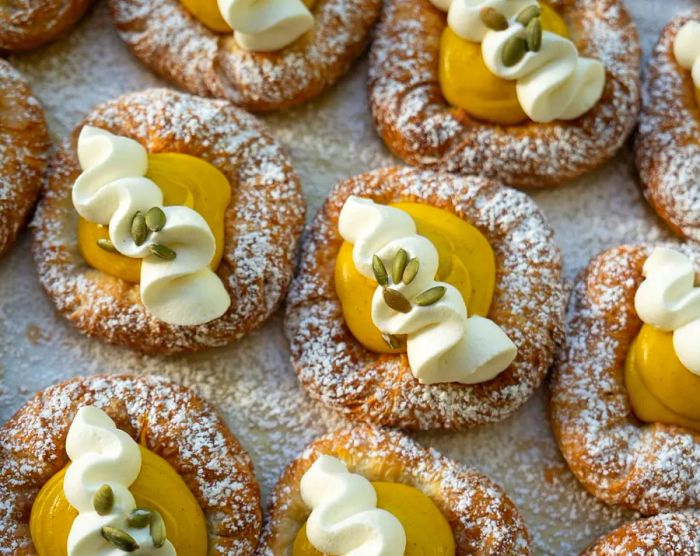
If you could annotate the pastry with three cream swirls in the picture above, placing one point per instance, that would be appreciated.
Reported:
(668, 142)
(24, 148)
(625, 390)
(260, 54)
(366, 491)
(425, 300)
(28, 24)
(168, 223)
(532, 93)
(110, 465)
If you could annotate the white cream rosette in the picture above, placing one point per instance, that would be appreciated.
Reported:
(553, 83)
(266, 25)
(669, 300)
(110, 191)
(345, 519)
(686, 49)
(443, 344)
(101, 454)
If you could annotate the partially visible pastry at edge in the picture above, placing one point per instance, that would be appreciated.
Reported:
(668, 142)
(365, 490)
(532, 93)
(625, 388)
(24, 146)
(27, 24)
(261, 55)
(169, 223)
(425, 300)
(661, 535)
(123, 464)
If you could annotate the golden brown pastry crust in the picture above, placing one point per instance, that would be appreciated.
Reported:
(172, 42)
(528, 304)
(661, 535)
(668, 142)
(647, 467)
(482, 517)
(27, 24)
(24, 146)
(262, 223)
(419, 126)
(168, 418)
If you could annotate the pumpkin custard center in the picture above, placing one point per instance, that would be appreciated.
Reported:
(660, 387)
(466, 261)
(185, 181)
(158, 487)
(427, 530)
(468, 84)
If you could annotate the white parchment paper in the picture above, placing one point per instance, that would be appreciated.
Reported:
(252, 382)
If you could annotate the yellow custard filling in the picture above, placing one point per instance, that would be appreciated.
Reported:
(660, 388)
(158, 487)
(427, 531)
(468, 84)
(184, 180)
(207, 12)
(466, 261)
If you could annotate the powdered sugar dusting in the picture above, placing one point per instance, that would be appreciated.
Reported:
(668, 143)
(252, 382)
(420, 127)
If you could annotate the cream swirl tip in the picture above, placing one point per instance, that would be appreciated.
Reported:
(686, 49)
(266, 25)
(345, 520)
(667, 299)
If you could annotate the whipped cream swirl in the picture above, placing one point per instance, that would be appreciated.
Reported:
(345, 520)
(102, 454)
(111, 189)
(668, 300)
(266, 25)
(686, 49)
(553, 83)
(443, 344)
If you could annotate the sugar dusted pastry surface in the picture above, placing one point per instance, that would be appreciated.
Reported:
(252, 382)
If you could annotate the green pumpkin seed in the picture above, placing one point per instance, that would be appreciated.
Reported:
(103, 501)
(139, 231)
(379, 270)
(155, 219)
(409, 273)
(526, 15)
(157, 529)
(107, 245)
(513, 51)
(399, 265)
(430, 296)
(121, 539)
(396, 300)
(533, 34)
(139, 518)
(493, 19)
(162, 252)
(391, 340)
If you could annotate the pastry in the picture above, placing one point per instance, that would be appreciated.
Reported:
(151, 465)
(416, 499)
(661, 535)
(625, 389)
(193, 254)
(551, 90)
(24, 145)
(667, 147)
(412, 349)
(27, 24)
(283, 52)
